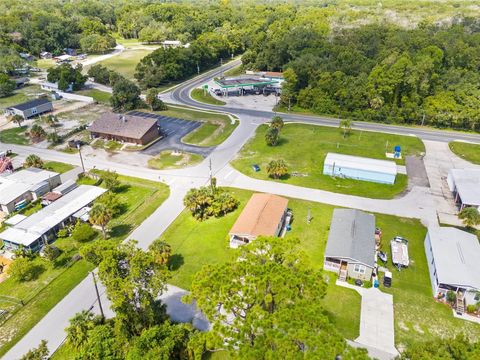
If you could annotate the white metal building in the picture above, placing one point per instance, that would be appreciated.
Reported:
(453, 256)
(465, 186)
(360, 168)
(25, 185)
(42, 226)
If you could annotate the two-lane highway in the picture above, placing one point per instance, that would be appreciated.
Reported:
(181, 95)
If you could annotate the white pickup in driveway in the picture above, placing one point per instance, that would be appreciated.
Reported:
(377, 332)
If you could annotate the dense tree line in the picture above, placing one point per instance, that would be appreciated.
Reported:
(426, 75)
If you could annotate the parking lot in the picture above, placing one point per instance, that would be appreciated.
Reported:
(173, 130)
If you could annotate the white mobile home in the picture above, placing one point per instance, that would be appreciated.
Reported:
(453, 257)
(360, 168)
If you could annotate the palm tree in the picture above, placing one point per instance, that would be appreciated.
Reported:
(277, 169)
(18, 119)
(52, 121)
(346, 125)
(100, 215)
(37, 132)
(271, 136)
(33, 160)
(162, 251)
(277, 122)
(80, 324)
(470, 216)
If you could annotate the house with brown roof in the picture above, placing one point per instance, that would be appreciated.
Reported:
(125, 128)
(264, 215)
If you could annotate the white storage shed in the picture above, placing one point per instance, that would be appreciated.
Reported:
(360, 168)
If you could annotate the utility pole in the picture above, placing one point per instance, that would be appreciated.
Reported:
(98, 297)
(198, 69)
(309, 218)
(210, 174)
(80, 153)
(423, 119)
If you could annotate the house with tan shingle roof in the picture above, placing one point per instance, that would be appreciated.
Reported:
(125, 128)
(264, 215)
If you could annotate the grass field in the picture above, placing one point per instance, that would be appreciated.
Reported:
(215, 130)
(417, 315)
(125, 62)
(304, 147)
(195, 244)
(57, 166)
(21, 95)
(168, 160)
(15, 135)
(236, 71)
(98, 95)
(204, 97)
(140, 198)
(469, 152)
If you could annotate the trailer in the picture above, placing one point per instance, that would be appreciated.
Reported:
(399, 247)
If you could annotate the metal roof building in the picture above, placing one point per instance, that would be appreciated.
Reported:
(31, 108)
(453, 257)
(360, 168)
(40, 227)
(465, 186)
(351, 243)
(27, 184)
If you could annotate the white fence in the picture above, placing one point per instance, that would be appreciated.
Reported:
(76, 97)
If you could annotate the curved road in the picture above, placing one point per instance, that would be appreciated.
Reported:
(181, 96)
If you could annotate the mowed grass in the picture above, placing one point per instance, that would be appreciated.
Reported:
(418, 317)
(195, 244)
(168, 160)
(98, 95)
(57, 166)
(126, 62)
(139, 197)
(15, 135)
(204, 96)
(215, 130)
(28, 92)
(304, 147)
(469, 152)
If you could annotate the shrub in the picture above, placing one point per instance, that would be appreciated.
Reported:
(271, 136)
(277, 169)
(62, 233)
(23, 269)
(451, 297)
(206, 202)
(33, 160)
(471, 308)
(82, 232)
(50, 252)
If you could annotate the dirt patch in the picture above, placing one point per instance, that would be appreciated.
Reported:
(4, 264)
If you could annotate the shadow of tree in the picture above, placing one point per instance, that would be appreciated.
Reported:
(121, 188)
(175, 262)
(120, 230)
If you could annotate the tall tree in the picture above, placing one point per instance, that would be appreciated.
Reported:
(271, 136)
(265, 304)
(18, 119)
(100, 215)
(125, 95)
(134, 279)
(6, 85)
(277, 122)
(346, 126)
(39, 353)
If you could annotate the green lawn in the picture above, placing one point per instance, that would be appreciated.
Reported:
(167, 160)
(15, 135)
(195, 244)
(110, 145)
(126, 62)
(417, 315)
(57, 166)
(98, 95)
(45, 63)
(304, 148)
(215, 130)
(469, 152)
(236, 71)
(140, 197)
(203, 96)
(21, 95)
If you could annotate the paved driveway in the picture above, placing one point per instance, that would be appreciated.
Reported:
(173, 131)
(377, 331)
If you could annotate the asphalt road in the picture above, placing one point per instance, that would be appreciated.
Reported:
(181, 95)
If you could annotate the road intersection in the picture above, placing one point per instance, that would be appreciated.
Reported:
(420, 202)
